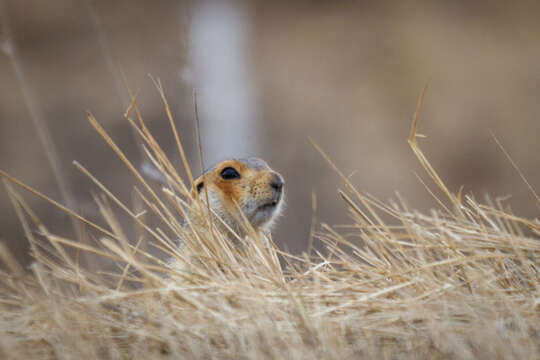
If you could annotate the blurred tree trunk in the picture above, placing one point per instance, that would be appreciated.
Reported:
(222, 78)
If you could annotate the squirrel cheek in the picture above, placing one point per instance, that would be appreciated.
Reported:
(259, 194)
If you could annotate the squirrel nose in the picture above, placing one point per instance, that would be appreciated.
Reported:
(277, 183)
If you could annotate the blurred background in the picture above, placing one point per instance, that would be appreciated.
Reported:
(269, 74)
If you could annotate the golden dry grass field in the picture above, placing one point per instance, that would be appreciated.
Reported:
(459, 282)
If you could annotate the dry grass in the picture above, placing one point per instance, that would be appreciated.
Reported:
(459, 282)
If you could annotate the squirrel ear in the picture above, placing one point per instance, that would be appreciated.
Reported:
(197, 188)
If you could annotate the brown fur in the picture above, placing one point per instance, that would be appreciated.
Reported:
(252, 196)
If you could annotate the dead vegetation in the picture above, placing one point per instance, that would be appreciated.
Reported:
(459, 282)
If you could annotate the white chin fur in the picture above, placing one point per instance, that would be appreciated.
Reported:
(270, 216)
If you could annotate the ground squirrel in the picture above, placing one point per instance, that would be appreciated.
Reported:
(249, 185)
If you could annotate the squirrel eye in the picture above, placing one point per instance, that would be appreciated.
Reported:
(229, 173)
(200, 186)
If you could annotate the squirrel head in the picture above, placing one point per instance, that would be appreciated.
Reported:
(246, 185)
